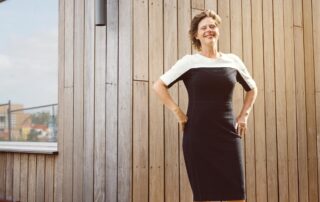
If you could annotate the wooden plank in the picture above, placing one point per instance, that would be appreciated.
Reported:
(290, 102)
(140, 142)
(59, 158)
(297, 10)
(16, 177)
(3, 164)
(49, 178)
(24, 177)
(68, 43)
(156, 132)
(78, 101)
(301, 115)
(270, 102)
(9, 176)
(250, 138)
(310, 101)
(280, 101)
(224, 43)
(125, 103)
(100, 117)
(40, 185)
(68, 146)
(32, 174)
(259, 111)
(88, 148)
(198, 4)
(184, 47)
(316, 49)
(211, 4)
(171, 139)
(111, 103)
(140, 42)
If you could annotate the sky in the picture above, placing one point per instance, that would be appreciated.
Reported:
(29, 52)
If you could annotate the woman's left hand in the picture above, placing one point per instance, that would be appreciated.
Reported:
(241, 125)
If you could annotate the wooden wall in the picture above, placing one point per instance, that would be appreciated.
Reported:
(117, 142)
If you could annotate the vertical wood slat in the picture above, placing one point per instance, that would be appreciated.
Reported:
(290, 102)
(197, 4)
(140, 39)
(16, 177)
(301, 116)
(88, 147)
(112, 102)
(259, 112)
(61, 55)
(316, 49)
(224, 43)
(140, 142)
(3, 175)
(9, 176)
(156, 138)
(24, 177)
(32, 173)
(78, 101)
(68, 102)
(184, 47)
(49, 178)
(310, 101)
(40, 178)
(171, 137)
(270, 102)
(100, 118)
(249, 139)
(125, 105)
(211, 4)
(280, 101)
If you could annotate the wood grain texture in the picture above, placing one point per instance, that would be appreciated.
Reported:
(156, 132)
(250, 138)
(100, 116)
(310, 101)
(171, 130)
(78, 122)
(184, 47)
(290, 102)
(40, 178)
(140, 142)
(125, 104)
(140, 39)
(88, 103)
(259, 110)
(111, 102)
(270, 101)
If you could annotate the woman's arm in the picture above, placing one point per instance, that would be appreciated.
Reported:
(242, 118)
(162, 91)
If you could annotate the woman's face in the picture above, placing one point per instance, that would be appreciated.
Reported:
(208, 32)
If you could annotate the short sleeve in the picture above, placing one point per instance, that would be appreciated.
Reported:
(177, 71)
(243, 75)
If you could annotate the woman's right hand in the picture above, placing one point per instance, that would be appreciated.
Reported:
(181, 117)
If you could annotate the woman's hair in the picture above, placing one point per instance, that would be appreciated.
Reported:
(195, 22)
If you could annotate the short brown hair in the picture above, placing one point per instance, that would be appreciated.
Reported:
(195, 22)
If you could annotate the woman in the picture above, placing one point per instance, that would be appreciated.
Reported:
(211, 133)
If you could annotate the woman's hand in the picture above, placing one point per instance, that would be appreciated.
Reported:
(241, 124)
(181, 117)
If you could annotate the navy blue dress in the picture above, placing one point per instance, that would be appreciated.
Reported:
(212, 148)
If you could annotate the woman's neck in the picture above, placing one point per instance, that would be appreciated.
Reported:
(210, 51)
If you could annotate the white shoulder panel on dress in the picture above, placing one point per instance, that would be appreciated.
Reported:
(244, 71)
(180, 67)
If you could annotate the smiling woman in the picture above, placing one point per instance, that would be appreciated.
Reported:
(29, 71)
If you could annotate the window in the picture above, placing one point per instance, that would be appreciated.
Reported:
(29, 72)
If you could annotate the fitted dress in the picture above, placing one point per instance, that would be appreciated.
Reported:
(212, 148)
